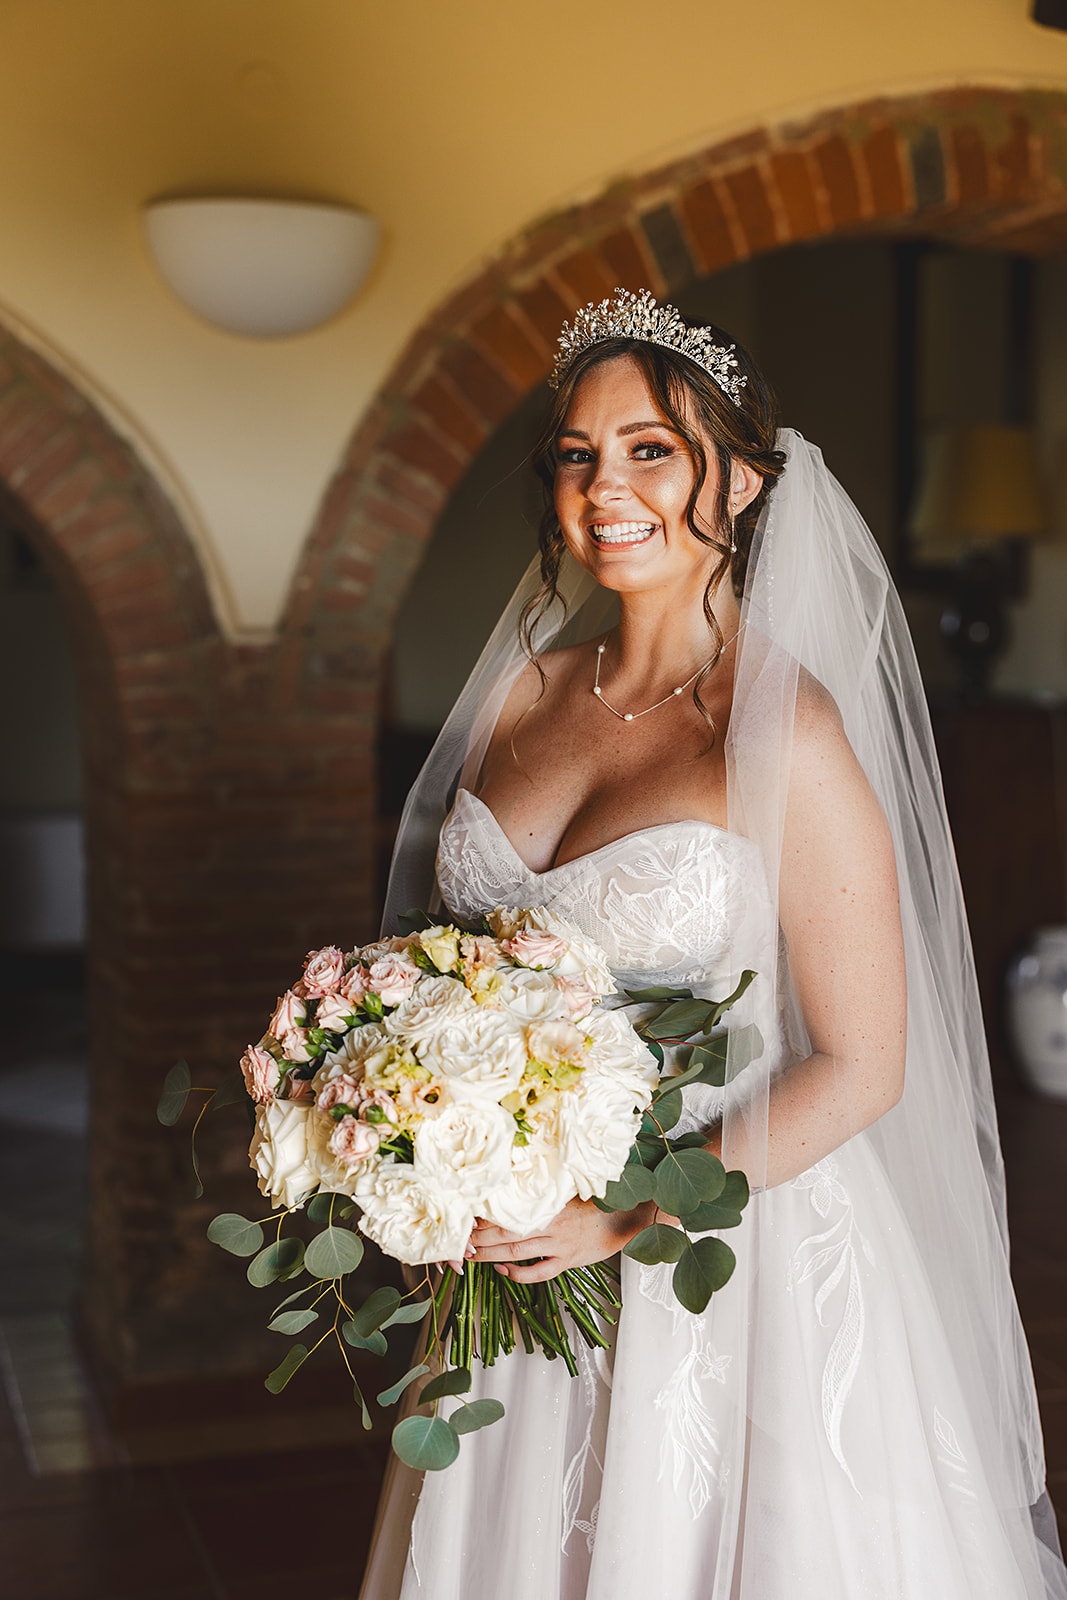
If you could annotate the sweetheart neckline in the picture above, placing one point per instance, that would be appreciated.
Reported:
(591, 855)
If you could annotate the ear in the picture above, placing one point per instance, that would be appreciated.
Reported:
(745, 485)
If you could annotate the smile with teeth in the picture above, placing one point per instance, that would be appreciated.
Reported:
(622, 532)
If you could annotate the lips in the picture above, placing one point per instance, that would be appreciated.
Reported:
(622, 532)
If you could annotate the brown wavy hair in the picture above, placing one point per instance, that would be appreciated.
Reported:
(698, 410)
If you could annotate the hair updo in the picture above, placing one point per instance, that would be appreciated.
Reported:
(698, 410)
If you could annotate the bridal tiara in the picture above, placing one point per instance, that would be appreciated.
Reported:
(638, 316)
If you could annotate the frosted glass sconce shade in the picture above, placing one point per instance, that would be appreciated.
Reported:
(263, 268)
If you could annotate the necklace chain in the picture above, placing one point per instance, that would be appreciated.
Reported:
(631, 716)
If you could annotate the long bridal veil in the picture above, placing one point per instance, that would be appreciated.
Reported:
(819, 605)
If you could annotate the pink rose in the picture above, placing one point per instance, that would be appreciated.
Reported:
(355, 985)
(324, 971)
(342, 1091)
(295, 1045)
(291, 1012)
(384, 1102)
(532, 948)
(392, 978)
(261, 1074)
(576, 997)
(299, 1088)
(335, 1013)
(353, 1141)
(479, 952)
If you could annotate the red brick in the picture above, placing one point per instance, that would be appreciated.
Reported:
(883, 159)
(66, 494)
(833, 157)
(500, 335)
(708, 227)
(545, 310)
(444, 407)
(749, 195)
(1013, 161)
(416, 446)
(404, 486)
(791, 176)
(482, 385)
(970, 164)
(583, 278)
(623, 253)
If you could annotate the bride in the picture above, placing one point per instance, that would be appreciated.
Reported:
(699, 732)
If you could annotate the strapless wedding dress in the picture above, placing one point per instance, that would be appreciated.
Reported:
(802, 1439)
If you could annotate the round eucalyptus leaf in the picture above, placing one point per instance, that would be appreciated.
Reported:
(456, 1381)
(174, 1094)
(325, 1206)
(633, 1186)
(282, 1259)
(476, 1414)
(375, 1310)
(705, 1265)
(667, 1109)
(277, 1380)
(725, 1212)
(292, 1321)
(333, 1252)
(235, 1234)
(426, 1443)
(657, 1243)
(687, 1178)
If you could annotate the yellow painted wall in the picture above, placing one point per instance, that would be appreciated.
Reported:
(455, 124)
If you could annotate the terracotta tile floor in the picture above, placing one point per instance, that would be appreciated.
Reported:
(229, 1526)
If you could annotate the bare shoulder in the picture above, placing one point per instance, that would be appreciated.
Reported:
(547, 677)
(824, 774)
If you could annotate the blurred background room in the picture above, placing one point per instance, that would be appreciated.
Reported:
(279, 285)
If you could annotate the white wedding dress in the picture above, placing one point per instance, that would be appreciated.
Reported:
(805, 1438)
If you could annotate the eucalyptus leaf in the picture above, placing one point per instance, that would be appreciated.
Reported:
(235, 1234)
(723, 1006)
(632, 1188)
(724, 1211)
(325, 1206)
(707, 1063)
(659, 992)
(411, 1311)
(456, 1381)
(291, 1297)
(689, 1141)
(685, 1180)
(705, 1265)
(230, 1092)
(333, 1252)
(282, 1259)
(357, 1395)
(375, 1310)
(426, 1443)
(658, 1243)
(679, 1020)
(292, 1321)
(414, 921)
(475, 1414)
(295, 1357)
(389, 1396)
(174, 1094)
(666, 1110)
(375, 1342)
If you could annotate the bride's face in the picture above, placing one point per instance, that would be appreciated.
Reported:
(623, 481)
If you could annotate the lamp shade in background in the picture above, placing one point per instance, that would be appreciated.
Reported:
(979, 484)
(266, 269)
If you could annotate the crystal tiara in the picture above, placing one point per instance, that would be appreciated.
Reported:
(638, 316)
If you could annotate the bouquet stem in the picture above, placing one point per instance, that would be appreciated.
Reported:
(485, 1311)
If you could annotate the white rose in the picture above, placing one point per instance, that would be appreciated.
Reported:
(279, 1152)
(617, 1051)
(505, 924)
(412, 1221)
(435, 1003)
(537, 1190)
(351, 1053)
(466, 1151)
(582, 959)
(482, 1057)
(529, 996)
(330, 1173)
(594, 1126)
(370, 953)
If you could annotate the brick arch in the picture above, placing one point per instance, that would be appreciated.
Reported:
(976, 166)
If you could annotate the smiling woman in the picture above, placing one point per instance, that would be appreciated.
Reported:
(823, 1429)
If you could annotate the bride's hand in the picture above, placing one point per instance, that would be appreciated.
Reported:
(578, 1236)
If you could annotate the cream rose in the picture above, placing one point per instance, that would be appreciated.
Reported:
(323, 970)
(435, 1003)
(615, 1049)
(504, 923)
(261, 1073)
(537, 1190)
(481, 1058)
(529, 996)
(466, 1151)
(594, 1128)
(392, 978)
(279, 1152)
(352, 1052)
(410, 1219)
(555, 1043)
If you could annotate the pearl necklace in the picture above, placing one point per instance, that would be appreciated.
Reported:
(631, 716)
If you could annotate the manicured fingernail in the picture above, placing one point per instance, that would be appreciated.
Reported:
(503, 1271)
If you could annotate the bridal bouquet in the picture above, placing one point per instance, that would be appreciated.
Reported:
(424, 1081)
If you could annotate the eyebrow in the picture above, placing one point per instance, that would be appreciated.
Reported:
(631, 427)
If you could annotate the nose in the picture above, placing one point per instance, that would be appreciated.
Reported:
(607, 481)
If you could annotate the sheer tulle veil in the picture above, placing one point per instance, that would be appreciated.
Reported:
(819, 605)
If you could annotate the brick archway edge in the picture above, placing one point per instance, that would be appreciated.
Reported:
(975, 166)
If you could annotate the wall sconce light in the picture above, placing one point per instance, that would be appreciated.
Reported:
(266, 269)
(978, 504)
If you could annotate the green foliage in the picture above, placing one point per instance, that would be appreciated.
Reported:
(724, 1212)
(414, 921)
(390, 1396)
(685, 1179)
(235, 1234)
(412, 1311)
(658, 1243)
(475, 1414)
(325, 1206)
(375, 1310)
(230, 1092)
(295, 1357)
(427, 1444)
(292, 1321)
(633, 1186)
(455, 1381)
(280, 1260)
(666, 1109)
(375, 1342)
(703, 1267)
(659, 992)
(175, 1093)
(333, 1252)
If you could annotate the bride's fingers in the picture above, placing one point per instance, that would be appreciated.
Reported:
(538, 1271)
